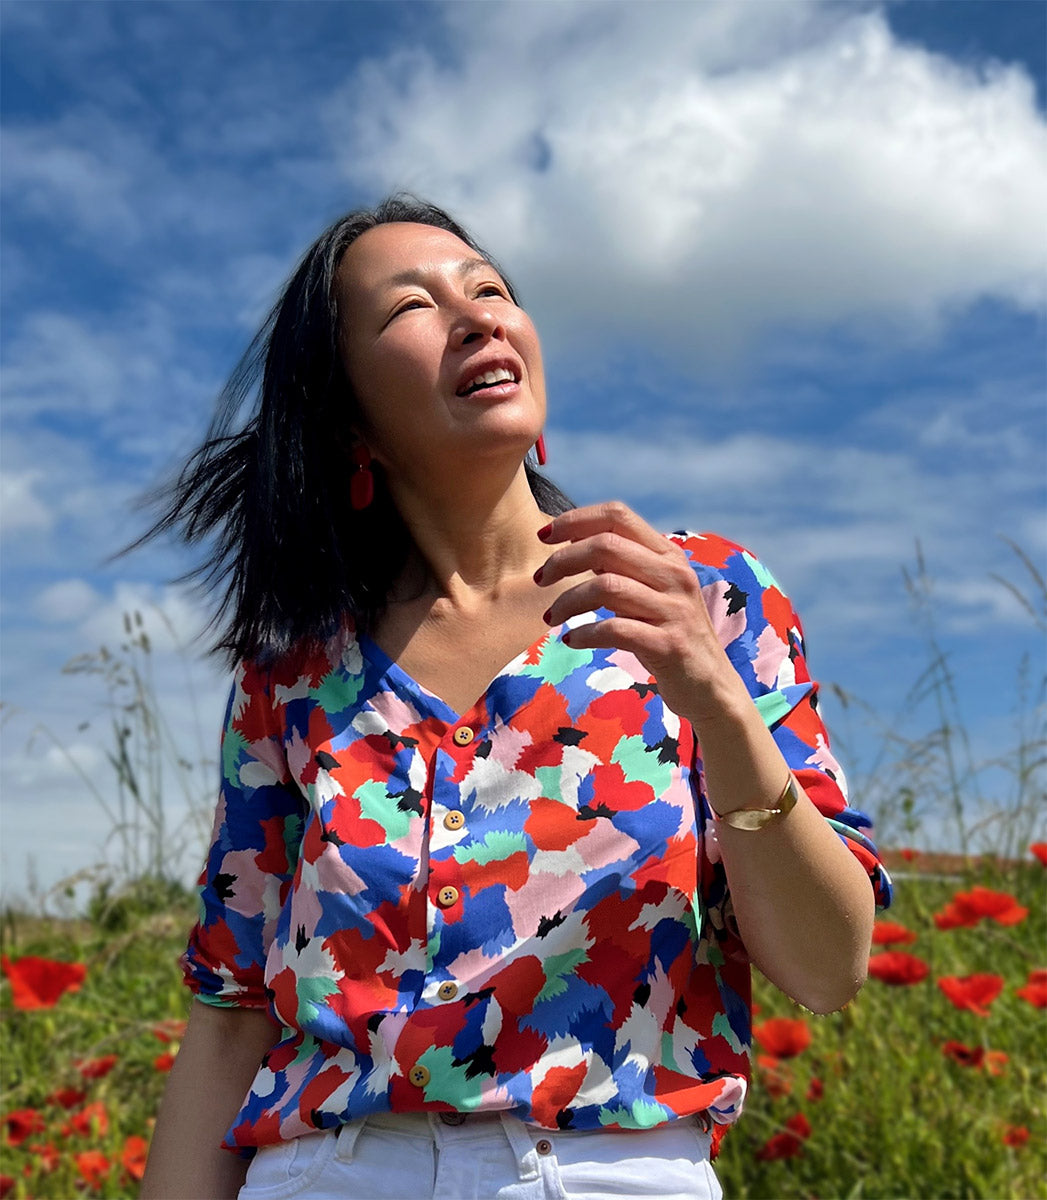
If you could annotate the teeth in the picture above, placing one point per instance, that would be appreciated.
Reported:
(499, 375)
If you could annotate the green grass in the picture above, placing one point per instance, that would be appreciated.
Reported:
(896, 1118)
(132, 985)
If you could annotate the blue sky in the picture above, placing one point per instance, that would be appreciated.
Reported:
(787, 259)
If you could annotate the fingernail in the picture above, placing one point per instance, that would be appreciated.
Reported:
(544, 532)
(538, 575)
(566, 638)
(547, 616)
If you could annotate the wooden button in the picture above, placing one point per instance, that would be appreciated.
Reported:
(463, 735)
(544, 1146)
(454, 820)
(447, 991)
(447, 896)
(419, 1075)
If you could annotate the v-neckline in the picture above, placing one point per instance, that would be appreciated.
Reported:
(436, 704)
(392, 669)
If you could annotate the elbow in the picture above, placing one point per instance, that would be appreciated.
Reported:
(830, 995)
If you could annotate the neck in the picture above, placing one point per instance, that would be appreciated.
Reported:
(474, 539)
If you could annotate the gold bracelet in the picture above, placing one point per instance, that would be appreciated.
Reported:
(757, 818)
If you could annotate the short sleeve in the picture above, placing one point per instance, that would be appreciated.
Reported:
(253, 853)
(764, 640)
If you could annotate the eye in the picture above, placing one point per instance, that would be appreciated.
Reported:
(408, 305)
(493, 289)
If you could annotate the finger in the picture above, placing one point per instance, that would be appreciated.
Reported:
(605, 553)
(613, 516)
(623, 596)
(619, 633)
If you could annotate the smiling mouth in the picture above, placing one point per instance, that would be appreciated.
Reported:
(488, 379)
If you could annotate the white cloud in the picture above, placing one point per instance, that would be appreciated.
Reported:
(58, 173)
(167, 615)
(706, 171)
(67, 600)
(21, 509)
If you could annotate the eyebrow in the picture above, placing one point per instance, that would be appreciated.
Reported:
(464, 266)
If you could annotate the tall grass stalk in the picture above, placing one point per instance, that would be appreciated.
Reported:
(150, 773)
(991, 805)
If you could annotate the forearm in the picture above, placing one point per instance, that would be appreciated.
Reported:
(803, 904)
(211, 1076)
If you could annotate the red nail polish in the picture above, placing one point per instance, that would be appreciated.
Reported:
(547, 616)
(538, 575)
(544, 532)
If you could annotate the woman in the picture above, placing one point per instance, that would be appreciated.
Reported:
(513, 793)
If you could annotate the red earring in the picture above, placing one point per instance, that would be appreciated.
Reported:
(361, 483)
(539, 449)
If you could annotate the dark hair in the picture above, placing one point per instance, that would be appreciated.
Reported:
(266, 493)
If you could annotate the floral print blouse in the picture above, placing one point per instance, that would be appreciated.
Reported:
(516, 907)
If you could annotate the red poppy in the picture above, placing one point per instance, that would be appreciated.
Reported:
(887, 933)
(164, 1062)
(66, 1097)
(897, 968)
(7, 1182)
(955, 916)
(799, 1125)
(788, 1143)
(968, 908)
(134, 1156)
(1015, 1135)
(972, 992)
(1039, 850)
(91, 1120)
(1035, 991)
(22, 1123)
(908, 853)
(97, 1068)
(47, 1156)
(966, 1056)
(783, 1037)
(41, 982)
(93, 1167)
(815, 1089)
(169, 1031)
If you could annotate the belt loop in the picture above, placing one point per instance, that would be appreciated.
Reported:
(347, 1135)
(522, 1146)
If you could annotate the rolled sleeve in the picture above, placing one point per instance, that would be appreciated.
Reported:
(253, 853)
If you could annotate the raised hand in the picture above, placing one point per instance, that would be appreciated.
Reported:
(660, 616)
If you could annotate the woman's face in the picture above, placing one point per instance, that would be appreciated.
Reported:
(445, 366)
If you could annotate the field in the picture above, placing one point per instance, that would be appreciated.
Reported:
(909, 1092)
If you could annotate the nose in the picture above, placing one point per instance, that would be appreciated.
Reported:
(476, 323)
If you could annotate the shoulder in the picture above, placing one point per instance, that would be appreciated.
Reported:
(274, 679)
(714, 557)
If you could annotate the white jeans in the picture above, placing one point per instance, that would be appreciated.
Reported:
(493, 1156)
